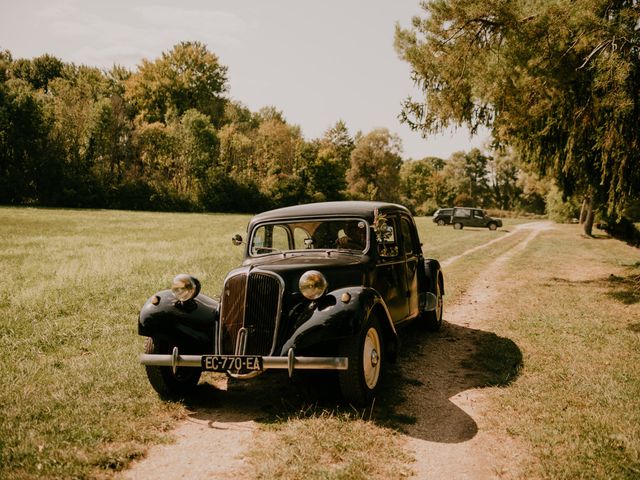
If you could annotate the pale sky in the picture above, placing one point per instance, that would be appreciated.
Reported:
(317, 62)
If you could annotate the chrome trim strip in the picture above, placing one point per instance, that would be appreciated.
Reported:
(241, 341)
(246, 291)
(279, 363)
(174, 360)
(291, 358)
(380, 300)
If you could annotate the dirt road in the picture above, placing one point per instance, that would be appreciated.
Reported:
(437, 385)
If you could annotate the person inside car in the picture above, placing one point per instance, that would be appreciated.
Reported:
(354, 237)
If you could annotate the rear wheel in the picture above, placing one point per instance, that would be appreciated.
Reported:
(360, 381)
(163, 380)
(457, 226)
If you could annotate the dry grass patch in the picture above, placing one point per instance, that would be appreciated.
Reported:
(329, 446)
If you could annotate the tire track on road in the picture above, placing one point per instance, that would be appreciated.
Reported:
(517, 229)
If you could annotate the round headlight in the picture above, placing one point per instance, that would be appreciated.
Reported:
(312, 284)
(185, 287)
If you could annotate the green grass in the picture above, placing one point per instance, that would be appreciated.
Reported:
(74, 400)
(575, 317)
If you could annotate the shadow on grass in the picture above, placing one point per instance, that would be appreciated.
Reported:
(424, 388)
(624, 289)
(415, 395)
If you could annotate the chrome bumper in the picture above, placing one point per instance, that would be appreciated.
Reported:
(290, 362)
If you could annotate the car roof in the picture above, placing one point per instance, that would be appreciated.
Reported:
(360, 209)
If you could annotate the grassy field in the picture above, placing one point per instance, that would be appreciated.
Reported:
(576, 318)
(74, 401)
(76, 404)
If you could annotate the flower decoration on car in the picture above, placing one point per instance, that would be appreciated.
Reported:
(380, 226)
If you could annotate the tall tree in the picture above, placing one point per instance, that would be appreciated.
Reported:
(187, 77)
(29, 159)
(327, 169)
(38, 71)
(374, 173)
(197, 150)
(422, 184)
(559, 81)
(466, 173)
(503, 174)
(277, 147)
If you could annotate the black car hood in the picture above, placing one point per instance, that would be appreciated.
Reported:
(340, 269)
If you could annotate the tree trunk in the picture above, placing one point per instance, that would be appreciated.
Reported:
(588, 221)
(584, 210)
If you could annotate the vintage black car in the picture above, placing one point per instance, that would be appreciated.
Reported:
(322, 286)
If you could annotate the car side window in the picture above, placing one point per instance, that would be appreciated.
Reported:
(478, 214)
(462, 213)
(407, 239)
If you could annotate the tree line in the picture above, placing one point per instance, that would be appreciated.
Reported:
(165, 136)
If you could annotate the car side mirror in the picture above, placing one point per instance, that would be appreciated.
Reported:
(432, 302)
(236, 240)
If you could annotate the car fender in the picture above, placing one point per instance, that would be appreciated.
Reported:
(189, 324)
(341, 313)
(433, 272)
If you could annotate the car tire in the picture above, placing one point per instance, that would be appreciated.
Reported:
(441, 222)
(163, 380)
(493, 226)
(433, 320)
(457, 226)
(360, 381)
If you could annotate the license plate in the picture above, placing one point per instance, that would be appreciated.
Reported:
(235, 363)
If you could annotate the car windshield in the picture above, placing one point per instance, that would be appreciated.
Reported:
(325, 234)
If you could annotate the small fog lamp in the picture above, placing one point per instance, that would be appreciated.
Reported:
(312, 284)
(185, 287)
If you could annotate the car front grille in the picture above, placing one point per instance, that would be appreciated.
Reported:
(250, 313)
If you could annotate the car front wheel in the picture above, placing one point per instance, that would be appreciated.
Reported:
(360, 381)
(440, 222)
(457, 226)
(493, 226)
(168, 384)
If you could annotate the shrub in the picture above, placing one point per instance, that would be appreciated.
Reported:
(223, 193)
(559, 209)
